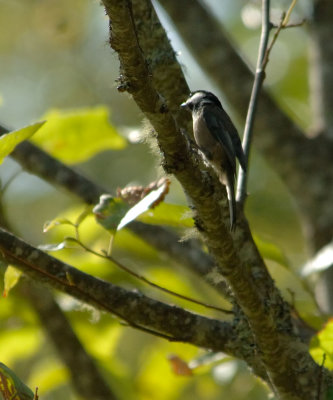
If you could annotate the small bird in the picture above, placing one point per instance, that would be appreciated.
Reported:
(217, 138)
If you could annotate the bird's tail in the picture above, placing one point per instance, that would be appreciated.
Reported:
(231, 198)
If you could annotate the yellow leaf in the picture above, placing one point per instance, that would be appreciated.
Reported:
(77, 135)
(10, 140)
(12, 276)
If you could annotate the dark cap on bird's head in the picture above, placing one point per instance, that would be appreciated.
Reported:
(201, 97)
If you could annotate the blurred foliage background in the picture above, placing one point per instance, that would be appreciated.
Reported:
(55, 60)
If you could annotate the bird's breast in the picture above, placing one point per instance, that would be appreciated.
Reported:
(207, 143)
(204, 139)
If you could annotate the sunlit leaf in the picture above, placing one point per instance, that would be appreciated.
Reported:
(50, 374)
(83, 215)
(271, 252)
(110, 211)
(168, 214)
(114, 213)
(53, 246)
(48, 225)
(12, 387)
(75, 136)
(19, 343)
(12, 276)
(151, 200)
(322, 261)
(322, 344)
(10, 140)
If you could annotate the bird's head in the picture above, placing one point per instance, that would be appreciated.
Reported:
(200, 98)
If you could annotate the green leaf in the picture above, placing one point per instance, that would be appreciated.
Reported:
(50, 374)
(151, 201)
(12, 276)
(12, 387)
(68, 242)
(83, 215)
(48, 225)
(110, 211)
(114, 213)
(10, 140)
(75, 136)
(168, 214)
(271, 252)
(322, 344)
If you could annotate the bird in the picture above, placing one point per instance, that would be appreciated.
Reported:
(217, 138)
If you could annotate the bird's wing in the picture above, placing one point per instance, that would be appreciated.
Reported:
(237, 144)
(216, 123)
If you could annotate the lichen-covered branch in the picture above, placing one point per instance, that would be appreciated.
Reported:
(237, 256)
(36, 161)
(302, 162)
(133, 307)
(161, 57)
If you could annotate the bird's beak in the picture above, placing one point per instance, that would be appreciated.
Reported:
(184, 104)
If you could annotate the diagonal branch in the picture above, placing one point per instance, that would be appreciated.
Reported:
(36, 161)
(131, 306)
(250, 281)
(300, 161)
(87, 380)
(189, 254)
(139, 311)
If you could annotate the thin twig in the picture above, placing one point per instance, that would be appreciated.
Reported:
(293, 25)
(257, 84)
(288, 13)
(263, 58)
(163, 289)
(282, 25)
(10, 181)
(106, 256)
(269, 48)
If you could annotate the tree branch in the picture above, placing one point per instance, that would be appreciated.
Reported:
(250, 282)
(87, 380)
(300, 161)
(189, 254)
(160, 55)
(259, 77)
(131, 306)
(39, 163)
